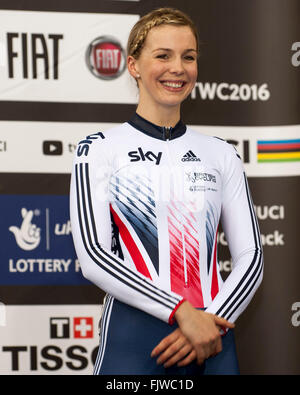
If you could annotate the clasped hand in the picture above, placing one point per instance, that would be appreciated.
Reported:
(198, 337)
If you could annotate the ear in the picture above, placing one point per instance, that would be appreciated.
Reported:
(133, 67)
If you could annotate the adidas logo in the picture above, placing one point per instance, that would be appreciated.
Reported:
(190, 157)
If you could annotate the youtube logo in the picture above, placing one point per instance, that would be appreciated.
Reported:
(52, 147)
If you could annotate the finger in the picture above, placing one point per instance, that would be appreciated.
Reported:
(216, 347)
(223, 323)
(180, 354)
(27, 217)
(165, 343)
(172, 350)
(188, 359)
(32, 230)
(23, 212)
(201, 355)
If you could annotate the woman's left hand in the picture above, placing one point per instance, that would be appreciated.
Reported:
(174, 348)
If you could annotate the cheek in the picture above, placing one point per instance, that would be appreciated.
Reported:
(193, 73)
(156, 71)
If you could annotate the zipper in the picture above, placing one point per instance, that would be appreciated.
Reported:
(167, 136)
(184, 254)
(167, 133)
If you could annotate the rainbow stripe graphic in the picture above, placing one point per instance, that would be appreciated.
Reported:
(278, 150)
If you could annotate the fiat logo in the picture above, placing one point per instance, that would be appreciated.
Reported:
(105, 58)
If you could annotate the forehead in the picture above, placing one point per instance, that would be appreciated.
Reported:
(170, 36)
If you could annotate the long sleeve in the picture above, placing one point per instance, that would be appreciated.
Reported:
(91, 229)
(241, 229)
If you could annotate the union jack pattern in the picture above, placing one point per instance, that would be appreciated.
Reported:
(184, 252)
(135, 199)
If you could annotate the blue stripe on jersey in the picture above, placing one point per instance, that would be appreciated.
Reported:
(211, 228)
(139, 209)
(108, 303)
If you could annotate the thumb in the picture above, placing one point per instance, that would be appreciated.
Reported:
(223, 323)
(14, 230)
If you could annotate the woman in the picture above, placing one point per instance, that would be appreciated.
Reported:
(146, 200)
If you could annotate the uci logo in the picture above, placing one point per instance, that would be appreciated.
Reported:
(84, 145)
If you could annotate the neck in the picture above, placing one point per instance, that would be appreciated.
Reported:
(167, 117)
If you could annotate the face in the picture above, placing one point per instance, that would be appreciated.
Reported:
(167, 66)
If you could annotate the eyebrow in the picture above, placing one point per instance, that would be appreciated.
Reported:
(169, 49)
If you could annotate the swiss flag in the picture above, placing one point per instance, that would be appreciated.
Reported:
(83, 327)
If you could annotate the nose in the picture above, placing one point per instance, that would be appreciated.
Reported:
(176, 66)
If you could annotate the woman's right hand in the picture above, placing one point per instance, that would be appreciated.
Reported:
(201, 329)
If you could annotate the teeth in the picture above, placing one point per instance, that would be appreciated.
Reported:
(173, 84)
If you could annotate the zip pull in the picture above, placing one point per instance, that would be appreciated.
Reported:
(167, 133)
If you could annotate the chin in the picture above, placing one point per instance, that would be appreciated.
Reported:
(174, 101)
(175, 98)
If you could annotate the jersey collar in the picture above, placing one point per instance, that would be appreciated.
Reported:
(158, 132)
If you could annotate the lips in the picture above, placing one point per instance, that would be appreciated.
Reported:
(173, 84)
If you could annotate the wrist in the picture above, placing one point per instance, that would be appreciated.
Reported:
(172, 317)
(182, 311)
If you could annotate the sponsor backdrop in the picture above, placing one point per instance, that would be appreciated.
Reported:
(62, 77)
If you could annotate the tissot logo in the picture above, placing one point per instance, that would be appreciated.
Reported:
(141, 155)
(105, 58)
(52, 147)
(60, 327)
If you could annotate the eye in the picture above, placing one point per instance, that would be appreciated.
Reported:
(190, 58)
(162, 56)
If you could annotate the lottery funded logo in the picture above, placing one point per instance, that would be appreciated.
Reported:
(36, 232)
(27, 235)
(105, 58)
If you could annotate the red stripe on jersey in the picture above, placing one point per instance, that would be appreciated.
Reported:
(184, 255)
(132, 248)
(172, 318)
(214, 282)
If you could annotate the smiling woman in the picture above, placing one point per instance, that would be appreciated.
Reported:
(154, 253)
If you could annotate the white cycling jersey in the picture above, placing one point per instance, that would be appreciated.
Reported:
(145, 206)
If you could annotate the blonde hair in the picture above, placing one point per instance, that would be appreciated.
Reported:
(158, 17)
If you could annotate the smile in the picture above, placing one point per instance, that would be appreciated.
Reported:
(173, 84)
